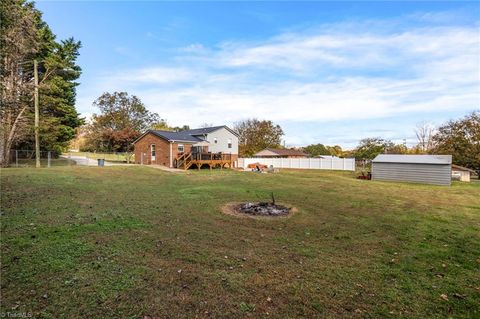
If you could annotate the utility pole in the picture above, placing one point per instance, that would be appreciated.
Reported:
(37, 115)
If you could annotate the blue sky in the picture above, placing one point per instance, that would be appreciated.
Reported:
(329, 73)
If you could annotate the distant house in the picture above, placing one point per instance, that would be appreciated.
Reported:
(428, 169)
(211, 146)
(280, 153)
(461, 173)
(327, 156)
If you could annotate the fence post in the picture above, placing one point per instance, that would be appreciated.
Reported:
(16, 158)
(48, 159)
(141, 158)
(344, 163)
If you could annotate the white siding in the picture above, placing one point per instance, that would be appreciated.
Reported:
(222, 135)
(439, 174)
(344, 164)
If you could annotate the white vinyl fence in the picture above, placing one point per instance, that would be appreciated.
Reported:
(344, 164)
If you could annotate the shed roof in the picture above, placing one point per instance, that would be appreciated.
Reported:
(413, 159)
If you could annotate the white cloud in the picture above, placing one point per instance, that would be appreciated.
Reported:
(150, 75)
(324, 74)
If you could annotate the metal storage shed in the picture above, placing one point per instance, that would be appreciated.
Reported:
(429, 169)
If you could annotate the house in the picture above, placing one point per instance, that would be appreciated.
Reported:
(461, 173)
(280, 153)
(212, 146)
(327, 157)
(429, 169)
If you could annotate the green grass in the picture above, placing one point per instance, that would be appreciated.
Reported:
(43, 162)
(128, 242)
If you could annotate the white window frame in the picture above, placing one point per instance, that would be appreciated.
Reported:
(153, 151)
(229, 143)
(182, 147)
(215, 140)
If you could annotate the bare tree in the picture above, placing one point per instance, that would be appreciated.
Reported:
(424, 132)
(18, 44)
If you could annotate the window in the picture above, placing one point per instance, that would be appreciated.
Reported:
(229, 143)
(215, 140)
(180, 148)
(152, 150)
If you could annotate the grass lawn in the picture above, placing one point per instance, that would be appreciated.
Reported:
(128, 242)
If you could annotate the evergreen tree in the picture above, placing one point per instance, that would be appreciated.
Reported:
(24, 37)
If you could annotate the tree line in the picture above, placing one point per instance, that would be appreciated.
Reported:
(25, 37)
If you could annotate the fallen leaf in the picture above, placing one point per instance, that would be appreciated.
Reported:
(444, 297)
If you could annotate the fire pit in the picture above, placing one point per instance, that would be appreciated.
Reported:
(258, 210)
(263, 209)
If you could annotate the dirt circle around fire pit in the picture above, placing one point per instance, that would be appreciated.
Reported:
(237, 209)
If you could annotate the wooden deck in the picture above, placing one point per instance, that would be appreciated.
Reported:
(187, 160)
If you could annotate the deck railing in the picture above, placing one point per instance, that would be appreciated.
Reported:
(209, 156)
(185, 160)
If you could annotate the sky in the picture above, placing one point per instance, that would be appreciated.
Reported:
(326, 72)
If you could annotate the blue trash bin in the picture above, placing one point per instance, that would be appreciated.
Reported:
(101, 162)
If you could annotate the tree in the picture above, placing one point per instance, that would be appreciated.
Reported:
(424, 132)
(461, 139)
(161, 125)
(316, 150)
(335, 150)
(23, 38)
(180, 128)
(369, 148)
(121, 120)
(58, 116)
(256, 135)
(397, 149)
(19, 43)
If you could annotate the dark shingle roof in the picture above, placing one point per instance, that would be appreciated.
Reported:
(183, 136)
(203, 130)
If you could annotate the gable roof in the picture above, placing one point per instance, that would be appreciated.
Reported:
(413, 159)
(284, 152)
(207, 130)
(188, 136)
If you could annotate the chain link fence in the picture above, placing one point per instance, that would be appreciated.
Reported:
(27, 158)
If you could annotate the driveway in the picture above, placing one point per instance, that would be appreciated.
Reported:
(85, 161)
